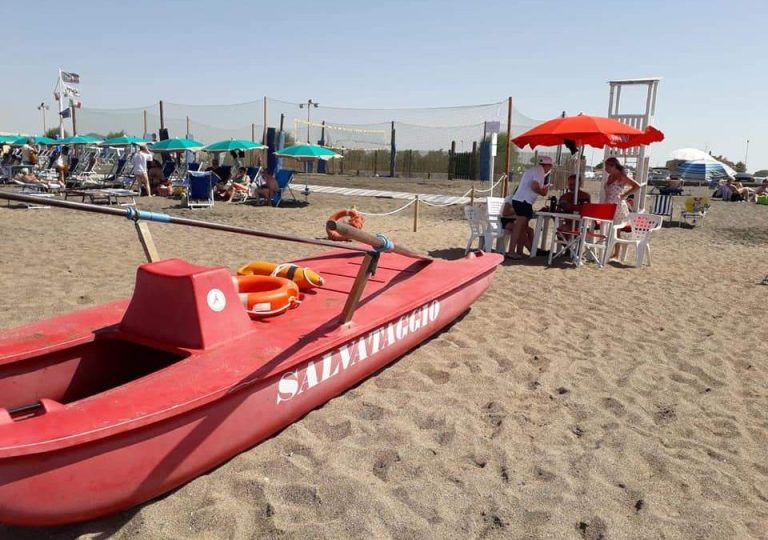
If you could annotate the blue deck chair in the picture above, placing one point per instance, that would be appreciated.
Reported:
(200, 189)
(283, 179)
(194, 167)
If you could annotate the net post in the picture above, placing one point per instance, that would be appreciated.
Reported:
(505, 190)
(472, 195)
(264, 134)
(145, 124)
(162, 116)
(392, 152)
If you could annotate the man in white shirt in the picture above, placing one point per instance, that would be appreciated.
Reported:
(140, 160)
(532, 184)
(29, 153)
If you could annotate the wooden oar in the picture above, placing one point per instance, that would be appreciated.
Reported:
(377, 242)
(136, 215)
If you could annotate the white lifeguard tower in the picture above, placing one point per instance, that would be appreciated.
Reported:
(637, 157)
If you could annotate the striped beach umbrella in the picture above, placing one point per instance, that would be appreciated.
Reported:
(705, 170)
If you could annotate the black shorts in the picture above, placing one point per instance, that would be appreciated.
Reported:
(523, 209)
(506, 221)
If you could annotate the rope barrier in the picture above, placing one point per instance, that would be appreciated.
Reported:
(406, 205)
(503, 176)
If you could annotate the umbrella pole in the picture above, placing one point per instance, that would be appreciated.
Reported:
(578, 174)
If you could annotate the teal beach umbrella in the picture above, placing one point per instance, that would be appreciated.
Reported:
(177, 145)
(78, 139)
(22, 140)
(306, 153)
(233, 144)
(125, 140)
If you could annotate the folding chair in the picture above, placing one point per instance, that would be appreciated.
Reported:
(594, 243)
(662, 206)
(695, 209)
(283, 179)
(200, 189)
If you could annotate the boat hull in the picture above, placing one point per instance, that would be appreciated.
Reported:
(109, 474)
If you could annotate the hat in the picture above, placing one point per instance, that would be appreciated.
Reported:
(545, 160)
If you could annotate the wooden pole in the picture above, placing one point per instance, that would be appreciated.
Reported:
(187, 126)
(145, 123)
(162, 116)
(147, 244)
(264, 131)
(505, 190)
(472, 196)
(416, 214)
(348, 231)
(74, 119)
(357, 288)
(138, 215)
(253, 133)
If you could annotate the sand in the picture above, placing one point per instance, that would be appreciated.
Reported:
(614, 403)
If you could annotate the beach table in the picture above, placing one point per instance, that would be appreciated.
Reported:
(543, 228)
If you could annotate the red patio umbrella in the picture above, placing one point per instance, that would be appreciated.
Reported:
(581, 130)
(595, 131)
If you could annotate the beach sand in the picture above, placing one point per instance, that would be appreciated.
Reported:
(613, 403)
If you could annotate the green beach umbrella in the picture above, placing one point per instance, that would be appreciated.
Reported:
(125, 140)
(307, 152)
(78, 139)
(177, 145)
(233, 144)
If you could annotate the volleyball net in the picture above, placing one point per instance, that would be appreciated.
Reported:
(425, 139)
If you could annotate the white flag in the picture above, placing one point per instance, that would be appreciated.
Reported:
(70, 90)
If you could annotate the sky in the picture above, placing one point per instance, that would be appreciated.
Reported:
(549, 56)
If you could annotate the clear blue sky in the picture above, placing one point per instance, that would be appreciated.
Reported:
(550, 56)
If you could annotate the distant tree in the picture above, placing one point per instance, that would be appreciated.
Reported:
(740, 167)
(761, 173)
(54, 132)
(115, 134)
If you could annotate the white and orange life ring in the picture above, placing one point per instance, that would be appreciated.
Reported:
(305, 278)
(266, 295)
(356, 220)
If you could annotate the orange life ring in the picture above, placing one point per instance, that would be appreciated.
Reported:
(356, 220)
(266, 295)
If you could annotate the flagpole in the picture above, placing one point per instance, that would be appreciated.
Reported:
(61, 108)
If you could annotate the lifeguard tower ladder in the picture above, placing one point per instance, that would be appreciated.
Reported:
(637, 157)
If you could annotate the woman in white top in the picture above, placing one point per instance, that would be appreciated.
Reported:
(618, 187)
(140, 160)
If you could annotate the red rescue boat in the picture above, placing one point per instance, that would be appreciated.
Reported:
(106, 408)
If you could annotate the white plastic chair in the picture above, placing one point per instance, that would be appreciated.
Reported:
(641, 228)
(492, 226)
(475, 218)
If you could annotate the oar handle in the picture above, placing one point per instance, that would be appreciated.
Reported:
(378, 242)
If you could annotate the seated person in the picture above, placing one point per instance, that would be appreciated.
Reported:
(238, 184)
(24, 176)
(566, 204)
(762, 189)
(744, 193)
(674, 186)
(219, 170)
(266, 186)
(221, 191)
(158, 183)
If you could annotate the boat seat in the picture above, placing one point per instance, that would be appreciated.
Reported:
(201, 301)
